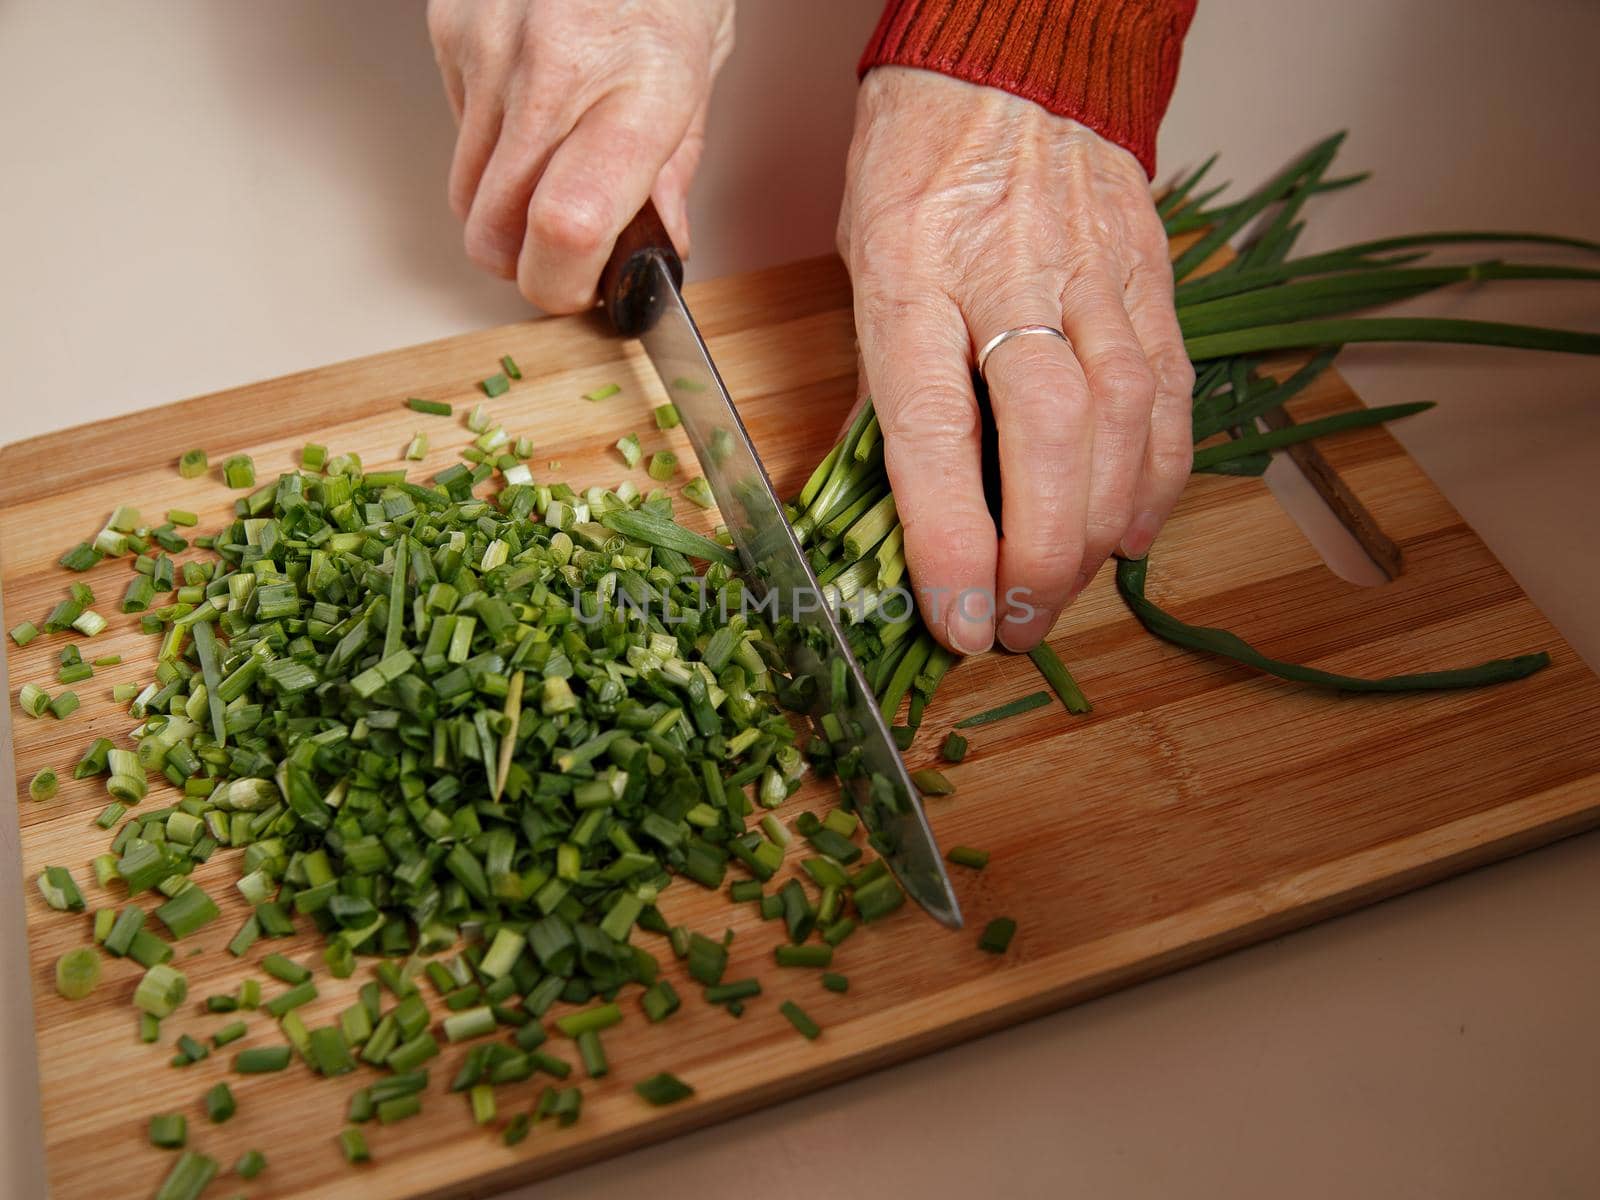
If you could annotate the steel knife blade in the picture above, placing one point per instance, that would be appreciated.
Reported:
(641, 290)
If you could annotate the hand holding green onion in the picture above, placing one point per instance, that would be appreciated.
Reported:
(969, 212)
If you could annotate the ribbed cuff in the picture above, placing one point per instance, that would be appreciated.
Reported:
(1110, 64)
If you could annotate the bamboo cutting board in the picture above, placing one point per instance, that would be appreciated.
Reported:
(1199, 808)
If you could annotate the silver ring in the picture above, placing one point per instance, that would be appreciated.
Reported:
(1005, 335)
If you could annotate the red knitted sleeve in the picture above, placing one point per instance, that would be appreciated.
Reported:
(1109, 64)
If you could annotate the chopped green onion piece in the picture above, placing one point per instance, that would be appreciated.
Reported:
(1001, 711)
(592, 1054)
(667, 416)
(659, 1001)
(60, 890)
(329, 1052)
(834, 982)
(148, 950)
(64, 705)
(228, 1033)
(417, 448)
(738, 989)
(808, 1028)
(285, 969)
(182, 516)
(77, 972)
(932, 783)
(604, 392)
(997, 935)
(481, 1098)
(628, 446)
(160, 991)
(33, 699)
(470, 1023)
(283, 1002)
(663, 1088)
(517, 1129)
(602, 1016)
(312, 458)
(954, 748)
(192, 463)
(259, 1060)
(803, 956)
(189, 1177)
(189, 910)
(436, 408)
(354, 1145)
(85, 555)
(89, 623)
(745, 890)
(24, 633)
(495, 385)
(189, 1051)
(44, 786)
(966, 856)
(251, 1163)
(412, 1054)
(239, 471)
(220, 1104)
(663, 465)
(839, 930)
(509, 366)
(698, 491)
(398, 1108)
(169, 1131)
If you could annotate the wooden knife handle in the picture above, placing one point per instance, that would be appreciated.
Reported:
(625, 287)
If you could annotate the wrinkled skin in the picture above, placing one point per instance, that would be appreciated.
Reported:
(572, 113)
(968, 211)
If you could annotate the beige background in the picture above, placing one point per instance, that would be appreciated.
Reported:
(199, 194)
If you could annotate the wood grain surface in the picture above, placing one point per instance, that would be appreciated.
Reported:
(1199, 808)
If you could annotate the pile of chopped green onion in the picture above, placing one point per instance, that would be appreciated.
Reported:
(479, 736)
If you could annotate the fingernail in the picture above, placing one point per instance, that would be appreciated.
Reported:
(1018, 636)
(969, 636)
(1136, 542)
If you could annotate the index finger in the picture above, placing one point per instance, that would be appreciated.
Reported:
(594, 183)
(915, 355)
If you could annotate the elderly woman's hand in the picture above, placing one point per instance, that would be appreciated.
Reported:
(969, 211)
(572, 113)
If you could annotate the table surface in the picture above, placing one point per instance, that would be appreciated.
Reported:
(222, 194)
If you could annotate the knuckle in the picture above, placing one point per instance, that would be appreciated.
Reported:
(1175, 376)
(1123, 381)
(1047, 563)
(1109, 518)
(931, 417)
(1172, 458)
(575, 228)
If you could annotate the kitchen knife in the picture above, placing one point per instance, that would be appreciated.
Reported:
(641, 292)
